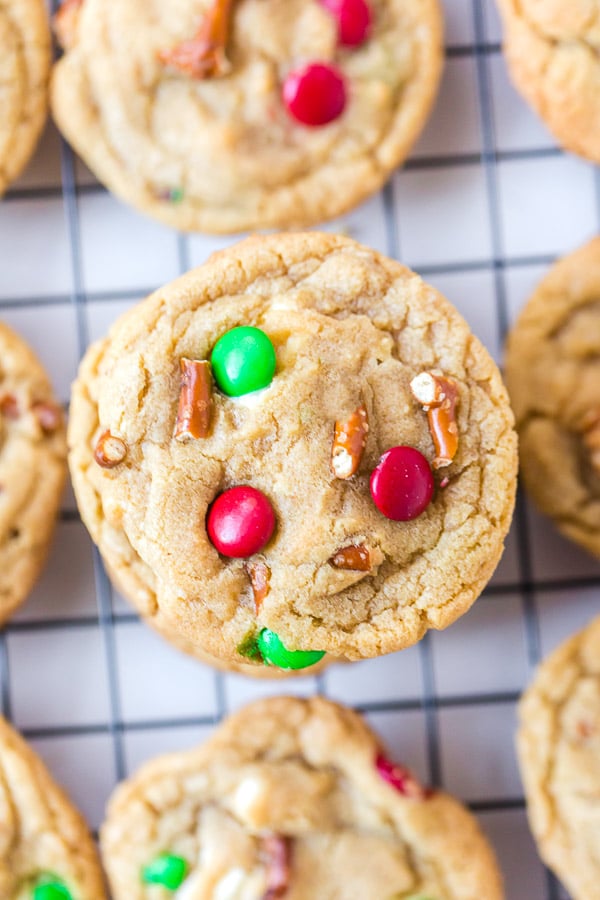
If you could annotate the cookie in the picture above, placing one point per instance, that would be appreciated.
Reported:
(553, 376)
(24, 71)
(32, 468)
(291, 798)
(250, 451)
(553, 52)
(559, 754)
(46, 851)
(224, 116)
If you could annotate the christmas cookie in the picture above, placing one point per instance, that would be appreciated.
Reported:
(297, 799)
(24, 70)
(559, 753)
(32, 468)
(298, 448)
(553, 53)
(46, 851)
(553, 375)
(226, 115)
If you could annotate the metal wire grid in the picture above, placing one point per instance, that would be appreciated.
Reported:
(525, 588)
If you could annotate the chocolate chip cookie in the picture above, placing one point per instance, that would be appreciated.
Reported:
(292, 798)
(223, 116)
(553, 375)
(553, 53)
(559, 753)
(297, 448)
(24, 70)
(46, 851)
(32, 468)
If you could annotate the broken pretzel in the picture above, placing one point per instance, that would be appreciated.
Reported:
(349, 442)
(110, 450)
(259, 574)
(276, 852)
(204, 55)
(591, 437)
(194, 412)
(438, 396)
(355, 557)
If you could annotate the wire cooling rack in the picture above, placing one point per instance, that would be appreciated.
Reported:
(484, 205)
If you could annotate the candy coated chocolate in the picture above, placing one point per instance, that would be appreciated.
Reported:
(243, 361)
(240, 522)
(402, 484)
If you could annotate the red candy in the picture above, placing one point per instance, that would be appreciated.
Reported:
(402, 484)
(315, 94)
(399, 778)
(354, 20)
(240, 522)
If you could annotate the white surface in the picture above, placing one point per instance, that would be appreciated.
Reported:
(97, 697)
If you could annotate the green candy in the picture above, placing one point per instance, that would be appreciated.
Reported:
(243, 361)
(51, 890)
(167, 870)
(249, 647)
(275, 653)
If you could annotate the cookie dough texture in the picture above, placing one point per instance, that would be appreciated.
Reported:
(24, 70)
(227, 147)
(32, 468)
(302, 770)
(553, 376)
(349, 326)
(553, 53)
(41, 833)
(559, 754)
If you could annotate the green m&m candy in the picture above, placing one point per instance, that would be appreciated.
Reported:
(274, 653)
(243, 360)
(51, 890)
(168, 870)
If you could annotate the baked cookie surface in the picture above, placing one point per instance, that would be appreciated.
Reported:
(222, 153)
(292, 798)
(32, 468)
(350, 330)
(559, 754)
(553, 53)
(44, 842)
(24, 70)
(553, 376)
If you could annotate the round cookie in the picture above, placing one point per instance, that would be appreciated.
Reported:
(559, 754)
(553, 53)
(46, 851)
(553, 376)
(223, 153)
(292, 798)
(24, 70)
(351, 329)
(32, 468)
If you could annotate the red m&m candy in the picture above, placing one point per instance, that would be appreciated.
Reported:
(240, 522)
(402, 484)
(315, 94)
(354, 20)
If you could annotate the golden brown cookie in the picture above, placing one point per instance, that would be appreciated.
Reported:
(202, 139)
(329, 565)
(24, 70)
(553, 376)
(32, 468)
(291, 798)
(553, 53)
(46, 851)
(559, 754)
